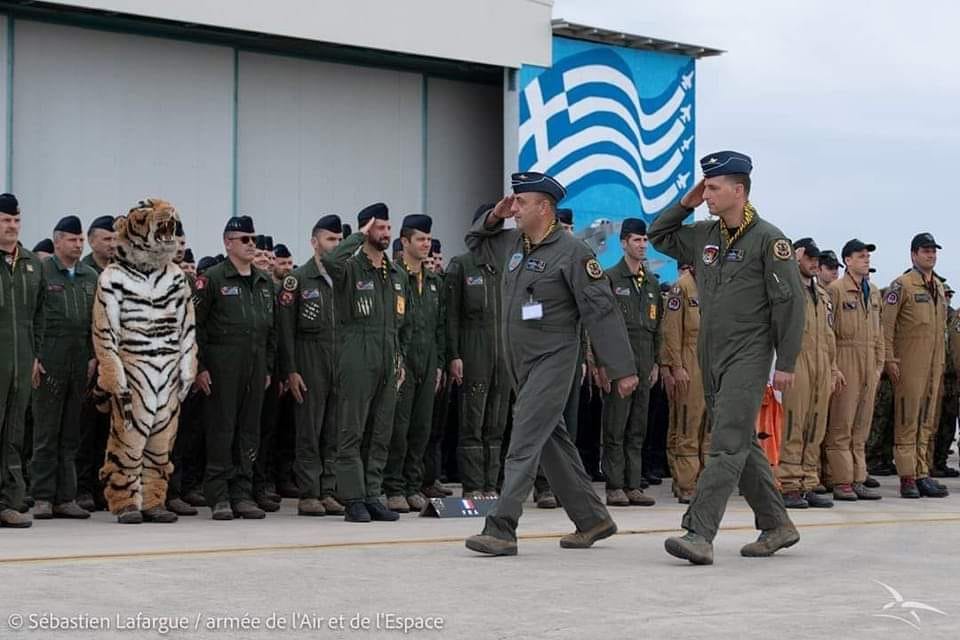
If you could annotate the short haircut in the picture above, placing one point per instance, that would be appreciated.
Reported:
(407, 232)
(740, 178)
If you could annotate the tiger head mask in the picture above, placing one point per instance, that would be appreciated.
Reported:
(146, 236)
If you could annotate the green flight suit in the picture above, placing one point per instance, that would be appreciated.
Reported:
(556, 285)
(947, 416)
(236, 342)
(751, 304)
(22, 292)
(65, 355)
(371, 317)
(413, 417)
(625, 419)
(94, 429)
(308, 346)
(263, 469)
(473, 335)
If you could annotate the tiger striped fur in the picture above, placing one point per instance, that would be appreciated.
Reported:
(145, 341)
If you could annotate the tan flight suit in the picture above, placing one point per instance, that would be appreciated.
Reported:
(805, 404)
(859, 339)
(914, 324)
(688, 436)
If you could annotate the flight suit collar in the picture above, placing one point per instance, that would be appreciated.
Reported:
(77, 267)
(311, 269)
(367, 264)
(230, 271)
(623, 269)
(918, 276)
(552, 237)
(852, 285)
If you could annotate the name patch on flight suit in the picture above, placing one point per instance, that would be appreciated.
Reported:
(921, 297)
(534, 264)
(734, 255)
(397, 287)
(310, 294)
(474, 281)
(229, 291)
(849, 306)
(55, 287)
(365, 285)
(29, 268)
(622, 291)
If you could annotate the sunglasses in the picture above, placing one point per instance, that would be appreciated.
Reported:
(243, 239)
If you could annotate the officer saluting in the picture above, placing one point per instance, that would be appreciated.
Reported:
(552, 282)
(751, 303)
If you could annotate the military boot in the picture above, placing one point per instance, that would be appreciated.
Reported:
(864, 492)
(818, 501)
(417, 503)
(310, 507)
(14, 519)
(546, 500)
(70, 510)
(771, 541)
(908, 488)
(86, 501)
(617, 498)
(380, 513)
(871, 483)
(43, 510)
(844, 492)
(434, 491)
(692, 547)
(585, 539)
(195, 498)
(491, 545)
(356, 511)
(398, 504)
(930, 488)
(158, 514)
(222, 511)
(130, 515)
(248, 510)
(180, 507)
(267, 504)
(794, 500)
(332, 507)
(638, 498)
(684, 497)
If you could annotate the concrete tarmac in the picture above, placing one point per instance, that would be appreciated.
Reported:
(298, 577)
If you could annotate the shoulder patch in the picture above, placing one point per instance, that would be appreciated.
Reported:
(893, 297)
(201, 283)
(290, 283)
(593, 268)
(673, 304)
(782, 249)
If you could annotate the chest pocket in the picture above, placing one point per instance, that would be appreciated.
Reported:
(266, 302)
(921, 305)
(398, 298)
(475, 291)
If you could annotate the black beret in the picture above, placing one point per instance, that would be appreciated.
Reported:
(179, 229)
(397, 246)
(347, 229)
(45, 245)
(632, 225)
(9, 204)
(103, 222)
(265, 243)
(724, 163)
(69, 224)
(854, 246)
(188, 256)
(419, 222)
(205, 263)
(242, 224)
(565, 216)
(377, 210)
(435, 246)
(329, 223)
(810, 248)
(482, 209)
(531, 181)
(281, 251)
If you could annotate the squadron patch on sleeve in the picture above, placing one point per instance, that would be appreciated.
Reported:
(201, 283)
(674, 303)
(290, 283)
(286, 298)
(782, 249)
(593, 268)
(893, 297)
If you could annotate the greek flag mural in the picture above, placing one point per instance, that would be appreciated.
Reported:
(616, 127)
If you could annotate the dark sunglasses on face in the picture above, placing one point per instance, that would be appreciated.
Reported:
(243, 239)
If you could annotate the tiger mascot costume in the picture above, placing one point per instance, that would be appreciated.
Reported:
(144, 337)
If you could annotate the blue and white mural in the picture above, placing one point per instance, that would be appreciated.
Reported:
(616, 127)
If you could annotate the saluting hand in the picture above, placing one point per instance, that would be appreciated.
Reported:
(694, 198)
(297, 387)
(783, 381)
(365, 229)
(504, 208)
(626, 386)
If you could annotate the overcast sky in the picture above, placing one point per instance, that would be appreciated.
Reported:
(849, 109)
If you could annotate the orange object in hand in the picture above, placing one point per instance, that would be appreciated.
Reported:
(770, 425)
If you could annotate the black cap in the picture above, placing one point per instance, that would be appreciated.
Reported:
(188, 256)
(531, 181)
(45, 245)
(482, 209)
(205, 263)
(724, 163)
(265, 243)
(435, 246)
(565, 216)
(347, 229)
(9, 204)
(419, 222)
(241, 224)
(828, 258)
(178, 232)
(69, 224)
(810, 248)
(377, 210)
(281, 251)
(923, 240)
(329, 223)
(397, 246)
(853, 246)
(103, 222)
(632, 225)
